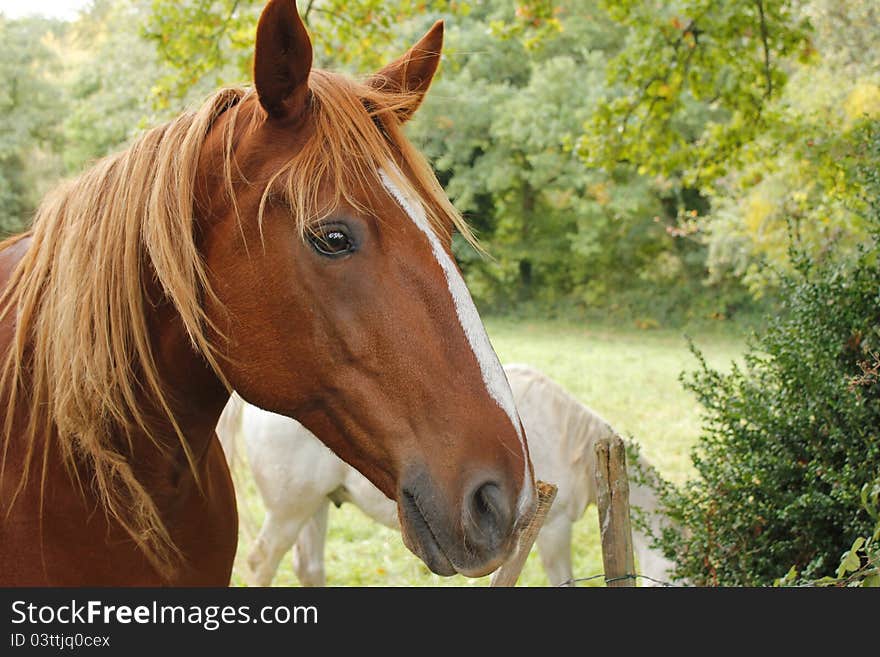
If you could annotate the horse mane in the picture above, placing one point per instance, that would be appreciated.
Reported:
(80, 362)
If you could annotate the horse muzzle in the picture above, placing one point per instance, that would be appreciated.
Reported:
(471, 536)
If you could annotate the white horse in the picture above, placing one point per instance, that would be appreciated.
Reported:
(298, 477)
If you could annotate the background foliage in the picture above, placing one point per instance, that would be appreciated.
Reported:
(788, 463)
(638, 160)
(29, 133)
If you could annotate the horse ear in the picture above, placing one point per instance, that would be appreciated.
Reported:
(412, 73)
(282, 60)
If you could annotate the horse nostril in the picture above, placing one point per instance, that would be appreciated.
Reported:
(486, 501)
(488, 517)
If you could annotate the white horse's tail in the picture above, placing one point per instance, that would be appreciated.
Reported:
(643, 497)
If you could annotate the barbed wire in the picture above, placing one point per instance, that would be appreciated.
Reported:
(871, 567)
(609, 580)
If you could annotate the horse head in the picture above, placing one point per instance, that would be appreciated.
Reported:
(336, 300)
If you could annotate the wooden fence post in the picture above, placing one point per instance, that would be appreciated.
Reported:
(612, 503)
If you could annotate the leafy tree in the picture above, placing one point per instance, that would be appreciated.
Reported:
(214, 39)
(523, 125)
(111, 86)
(804, 171)
(525, 90)
(557, 230)
(499, 146)
(691, 84)
(31, 108)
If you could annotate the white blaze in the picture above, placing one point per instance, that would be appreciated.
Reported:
(469, 318)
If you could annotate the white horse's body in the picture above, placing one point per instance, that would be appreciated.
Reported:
(298, 477)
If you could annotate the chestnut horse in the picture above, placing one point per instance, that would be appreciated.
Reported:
(287, 242)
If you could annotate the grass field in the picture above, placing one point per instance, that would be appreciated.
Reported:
(628, 376)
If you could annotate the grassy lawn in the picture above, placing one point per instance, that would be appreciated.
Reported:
(630, 377)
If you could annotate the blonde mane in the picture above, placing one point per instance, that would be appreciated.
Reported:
(80, 362)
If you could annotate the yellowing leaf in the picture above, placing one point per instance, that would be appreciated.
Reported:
(863, 101)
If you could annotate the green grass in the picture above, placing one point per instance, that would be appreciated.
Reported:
(630, 377)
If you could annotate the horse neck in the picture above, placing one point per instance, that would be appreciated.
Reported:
(195, 395)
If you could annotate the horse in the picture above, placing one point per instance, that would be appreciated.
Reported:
(285, 241)
(298, 478)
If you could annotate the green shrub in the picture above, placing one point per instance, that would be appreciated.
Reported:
(790, 450)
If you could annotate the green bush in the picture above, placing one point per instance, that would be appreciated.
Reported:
(788, 463)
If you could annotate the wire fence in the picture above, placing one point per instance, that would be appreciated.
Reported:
(609, 580)
(870, 569)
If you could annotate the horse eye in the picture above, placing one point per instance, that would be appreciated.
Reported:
(331, 241)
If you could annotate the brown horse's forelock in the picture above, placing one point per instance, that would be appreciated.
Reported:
(78, 296)
(356, 134)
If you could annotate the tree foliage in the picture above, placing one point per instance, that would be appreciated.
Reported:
(632, 155)
(804, 171)
(31, 108)
(71, 93)
(692, 82)
(111, 87)
(214, 39)
(558, 231)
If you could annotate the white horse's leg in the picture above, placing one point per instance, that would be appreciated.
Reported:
(308, 553)
(276, 537)
(554, 546)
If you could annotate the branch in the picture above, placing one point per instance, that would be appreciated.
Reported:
(218, 33)
(767, 74)
(664, 77)
(307, 12)
(334, 14)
